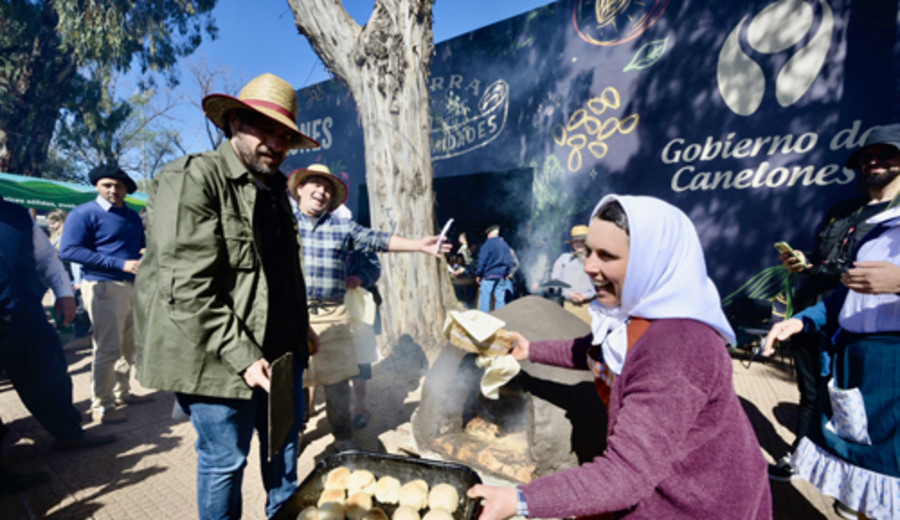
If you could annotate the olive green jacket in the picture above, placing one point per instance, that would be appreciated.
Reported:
(201, 298)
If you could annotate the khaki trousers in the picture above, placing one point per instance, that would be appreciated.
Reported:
(109, 304)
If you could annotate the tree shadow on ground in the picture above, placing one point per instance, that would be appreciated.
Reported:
(89, 475)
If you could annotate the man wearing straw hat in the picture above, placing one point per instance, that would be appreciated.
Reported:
(220, 295)
(328, 241)
(569, 268)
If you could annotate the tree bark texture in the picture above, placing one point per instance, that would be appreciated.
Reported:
(385, 66)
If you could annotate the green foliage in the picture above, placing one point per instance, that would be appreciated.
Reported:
(57, 57)
(132, 133)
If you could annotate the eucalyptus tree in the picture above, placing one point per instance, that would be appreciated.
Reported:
(385, 66)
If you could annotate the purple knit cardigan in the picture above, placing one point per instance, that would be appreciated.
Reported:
(679, 444)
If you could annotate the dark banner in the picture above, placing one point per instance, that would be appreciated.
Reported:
(742, 114)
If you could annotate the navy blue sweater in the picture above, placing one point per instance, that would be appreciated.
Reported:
(495, 260)
(101, 241)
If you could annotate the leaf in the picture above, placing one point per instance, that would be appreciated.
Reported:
(647, 55)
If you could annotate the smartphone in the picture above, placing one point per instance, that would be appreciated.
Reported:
(437, 248)
(784, 247)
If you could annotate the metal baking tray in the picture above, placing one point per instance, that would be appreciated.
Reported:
(403, 469)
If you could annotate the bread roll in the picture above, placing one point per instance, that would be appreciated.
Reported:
(337, 478)
(437, 514)
(376, 513)
(387, 490)
(414, 494)
(331, 495)
(361, 480)
(309, 513)
(357, 504)
(405, 513)
(331, 511)
(443, 496)
(418, 482)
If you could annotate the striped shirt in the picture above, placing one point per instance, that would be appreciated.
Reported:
(327, 243)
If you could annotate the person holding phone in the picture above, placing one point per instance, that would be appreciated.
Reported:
(851, 450)
(877, 164)
(328, 241)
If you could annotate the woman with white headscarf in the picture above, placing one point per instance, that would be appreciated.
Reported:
(679, 445)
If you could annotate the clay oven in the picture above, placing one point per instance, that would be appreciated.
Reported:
(546, 419)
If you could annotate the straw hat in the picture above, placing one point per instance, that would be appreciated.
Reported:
(578, 233)
(299, 176)
(266, 94)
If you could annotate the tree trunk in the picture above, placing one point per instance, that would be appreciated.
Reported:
(385, 66)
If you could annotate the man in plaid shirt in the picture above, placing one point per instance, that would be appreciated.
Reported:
(327, 242)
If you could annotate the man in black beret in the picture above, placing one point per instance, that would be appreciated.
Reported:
(106, 238)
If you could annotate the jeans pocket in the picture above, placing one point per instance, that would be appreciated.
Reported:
(848, 418)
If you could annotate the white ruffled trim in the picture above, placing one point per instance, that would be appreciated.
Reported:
(874, 494)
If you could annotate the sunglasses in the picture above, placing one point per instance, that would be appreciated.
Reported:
(881, 155)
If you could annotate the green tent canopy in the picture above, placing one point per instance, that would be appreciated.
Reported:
(46, 195)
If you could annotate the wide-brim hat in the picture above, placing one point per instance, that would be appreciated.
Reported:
(578, 233)
(266, 94)
(887, 134)
(108, 171)
(299, 176)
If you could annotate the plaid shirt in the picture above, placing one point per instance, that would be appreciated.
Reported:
(327, 243)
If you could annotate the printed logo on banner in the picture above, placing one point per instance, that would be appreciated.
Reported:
(457, 127)
(780, 27)
(613, 22)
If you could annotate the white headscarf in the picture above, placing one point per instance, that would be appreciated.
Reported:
(665, 278)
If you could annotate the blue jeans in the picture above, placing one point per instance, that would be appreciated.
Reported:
(224, 430)
(33, 358)
(497, 288)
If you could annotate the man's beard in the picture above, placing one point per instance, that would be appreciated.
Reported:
(882, 179)
(253, 160)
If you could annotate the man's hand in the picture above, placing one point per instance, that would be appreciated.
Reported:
(427, 245)
(353, 281)
(499, 503)
(780, 332)
(577, 297)
(131, 266)
(314, 342)
(66, 307)
(794, 264)
(873, 277)
(257, 374)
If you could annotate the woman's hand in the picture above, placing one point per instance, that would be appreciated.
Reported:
(499, 503)
(780, 332)
(522, 347)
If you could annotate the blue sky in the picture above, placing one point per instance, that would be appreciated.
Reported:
(260, 36)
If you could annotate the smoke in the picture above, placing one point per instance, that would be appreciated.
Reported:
(558, 204)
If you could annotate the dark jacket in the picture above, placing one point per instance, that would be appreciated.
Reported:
(20, 288)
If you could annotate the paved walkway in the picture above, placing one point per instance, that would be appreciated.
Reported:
(148, 473)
